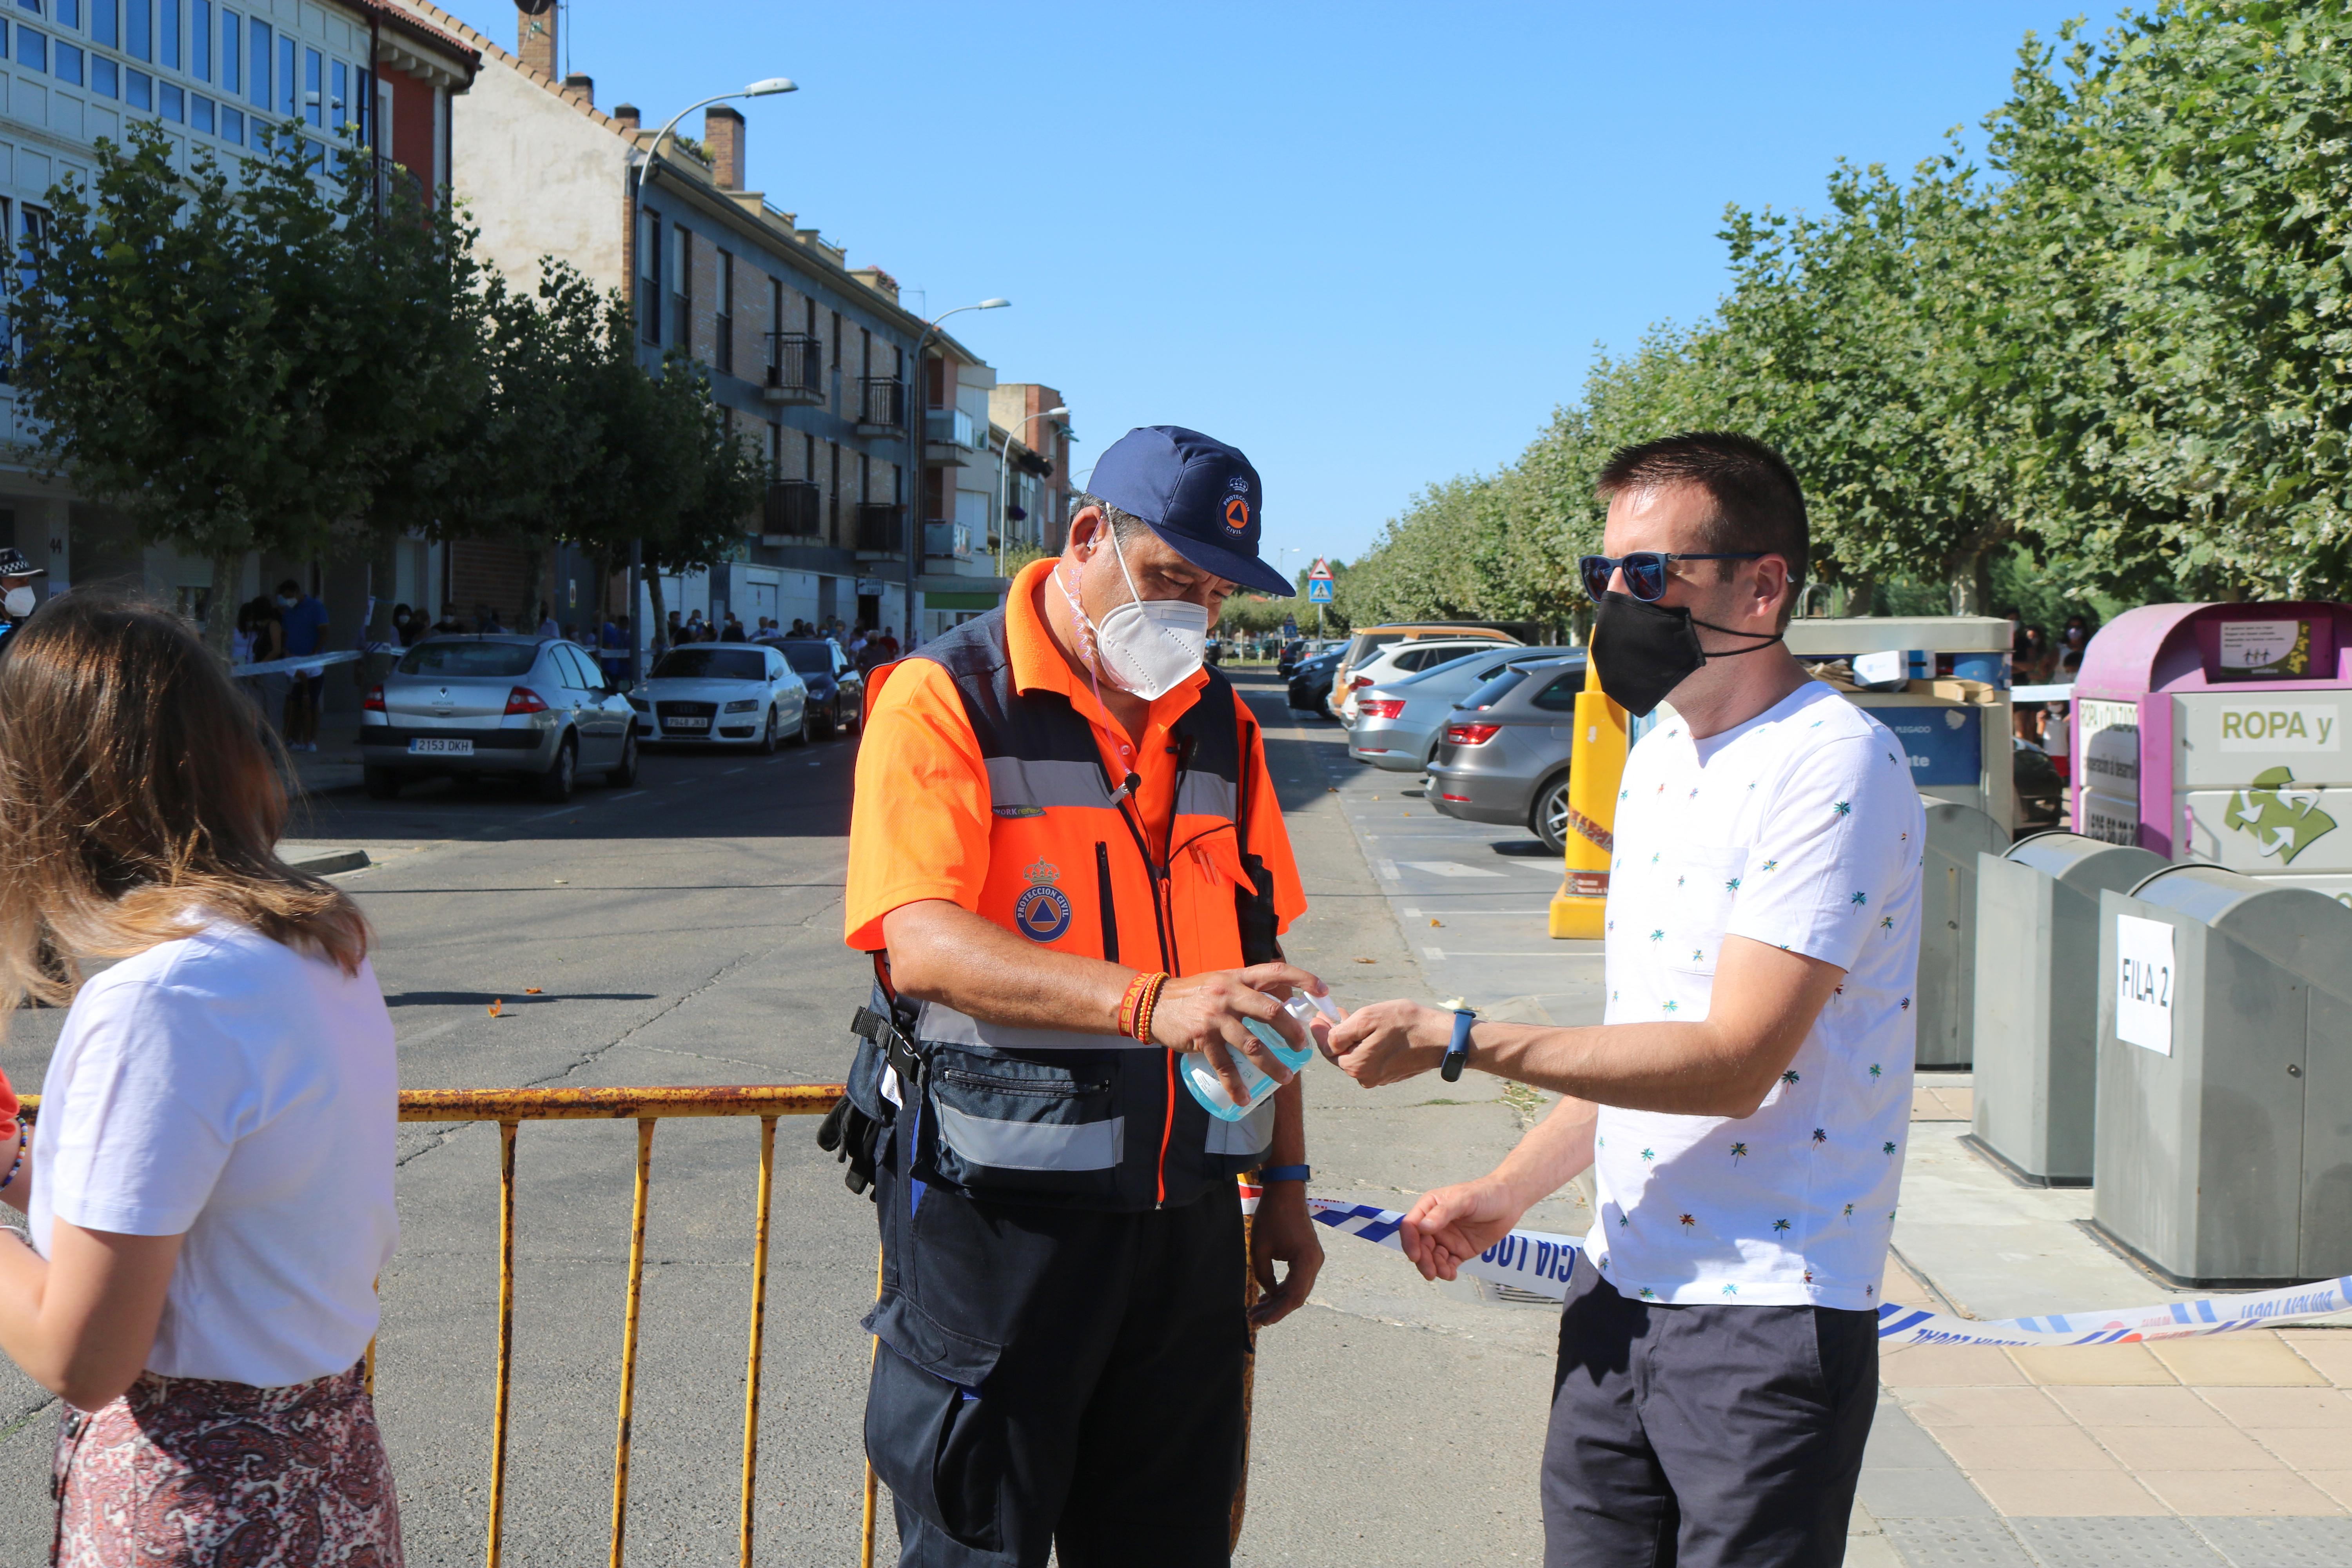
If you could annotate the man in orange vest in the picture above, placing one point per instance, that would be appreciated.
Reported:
(1068, 859)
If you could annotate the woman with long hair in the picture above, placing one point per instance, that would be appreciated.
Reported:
(210, 1192)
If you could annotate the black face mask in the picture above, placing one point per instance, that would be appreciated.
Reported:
(1647, 650)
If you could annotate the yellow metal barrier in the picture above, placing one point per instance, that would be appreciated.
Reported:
(509, 1108)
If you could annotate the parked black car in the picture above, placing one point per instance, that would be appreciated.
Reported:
(1286, 661)
(836, 688)
(1310, 682)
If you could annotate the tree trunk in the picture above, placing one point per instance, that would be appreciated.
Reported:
(220, 609)
(384, 582)
(1970, 570)
(1861, 596)
(534, 579)
(660, 615)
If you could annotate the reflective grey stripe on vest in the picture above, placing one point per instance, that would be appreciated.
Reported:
(1253, 1134)
(944, 1025)
(1206, 795)
(1033, 1145)
(1014, 781)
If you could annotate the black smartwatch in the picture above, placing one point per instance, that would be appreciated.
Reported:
(1457, 1054)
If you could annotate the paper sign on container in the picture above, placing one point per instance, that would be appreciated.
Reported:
(2145, 983)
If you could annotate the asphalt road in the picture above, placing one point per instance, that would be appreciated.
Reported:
(689, 931)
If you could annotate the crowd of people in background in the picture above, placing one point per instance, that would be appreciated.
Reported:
(2038, 658)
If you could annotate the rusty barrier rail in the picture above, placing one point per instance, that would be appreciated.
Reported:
(509, 1108)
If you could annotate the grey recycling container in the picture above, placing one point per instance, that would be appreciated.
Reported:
(2224, 1138)
(2037, 1016)
(1957, 834)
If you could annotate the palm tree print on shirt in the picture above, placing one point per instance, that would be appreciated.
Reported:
(1738, 1152)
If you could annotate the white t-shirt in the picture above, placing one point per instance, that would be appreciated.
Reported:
(229, 1088)
(1801, 828)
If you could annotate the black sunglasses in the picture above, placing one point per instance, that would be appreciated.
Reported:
(1646, 570)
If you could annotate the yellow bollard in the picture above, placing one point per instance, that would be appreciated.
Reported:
(1596, 766)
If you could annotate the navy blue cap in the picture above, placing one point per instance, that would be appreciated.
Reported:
(1199, 495)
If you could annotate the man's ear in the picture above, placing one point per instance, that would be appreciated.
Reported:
(1773, 584)
(1087, 528)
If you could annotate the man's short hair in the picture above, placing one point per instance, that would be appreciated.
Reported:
(289, 586)
(1758, 505)
(1124, 526)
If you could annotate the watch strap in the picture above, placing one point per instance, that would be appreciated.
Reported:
(1286, 1174)
(1457, 1053)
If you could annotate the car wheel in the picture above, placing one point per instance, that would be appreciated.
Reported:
(800, 737)
(1548, 816)
(382, 784)
(625, 774)
(768, 735)
(849, 719)
(555, 783)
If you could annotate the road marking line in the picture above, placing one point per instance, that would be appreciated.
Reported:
(630, 795)
(1450, 868)
(1387, 870)
(1435, 954)
(728, 770)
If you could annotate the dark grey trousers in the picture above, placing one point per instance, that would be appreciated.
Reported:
(1694, 1436)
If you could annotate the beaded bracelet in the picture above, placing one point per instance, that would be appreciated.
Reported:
(19, 1163)
(1137, 985)
(1145, 1008)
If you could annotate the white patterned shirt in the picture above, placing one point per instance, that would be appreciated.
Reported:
(1801, 828)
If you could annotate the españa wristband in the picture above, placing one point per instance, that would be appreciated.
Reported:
(1457, 1054)
(1286, 1174)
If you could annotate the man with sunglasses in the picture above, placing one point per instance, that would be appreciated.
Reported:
(1745, 1100)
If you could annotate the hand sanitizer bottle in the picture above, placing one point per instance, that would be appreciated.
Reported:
(1210, 1090)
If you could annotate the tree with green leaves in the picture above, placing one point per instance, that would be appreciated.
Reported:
(240, 363)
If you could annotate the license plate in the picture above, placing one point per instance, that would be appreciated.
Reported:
(420, 746)
(685, 723)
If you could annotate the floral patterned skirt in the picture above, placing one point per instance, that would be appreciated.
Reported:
(182, 1471)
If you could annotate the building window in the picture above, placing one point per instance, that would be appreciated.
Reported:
(836, 340)
(231, 53)
(775, 324)
(200, 39)
(257, 83)
(832, 494)
(200, 112)
(810, 328)
(139, 29)
(103, 81)
(232, 125)
(723, 349)
(168, 35)
(775, 451)
(314, 87)
(650, 260)
(68, 62)
(67, 13)
(106, 23)
(808, 458)
(32, 49)
(169, 103)
(138, 89)
(681, 289)
(288, 88)
(865, 351)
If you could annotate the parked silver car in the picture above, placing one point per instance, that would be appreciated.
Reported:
(1502, 756)
(478, 705)
(739, 694)
(1398, 722)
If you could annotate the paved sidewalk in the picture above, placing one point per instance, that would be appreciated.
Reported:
(2235, 1450)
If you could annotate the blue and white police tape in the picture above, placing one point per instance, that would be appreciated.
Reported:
(1540, 1263)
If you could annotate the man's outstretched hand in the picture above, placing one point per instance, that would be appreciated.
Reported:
(1389, 1042)
(1454, 1224)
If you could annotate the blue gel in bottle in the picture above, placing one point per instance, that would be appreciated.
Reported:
(1210, 1090)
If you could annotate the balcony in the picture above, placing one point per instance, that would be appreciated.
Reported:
(950, 436)
(795, 369)
(881, 529)
(881, 405)
(794, 510)
(947, 541)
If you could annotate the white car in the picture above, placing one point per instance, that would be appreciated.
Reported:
(727, 694)
(1404, 658)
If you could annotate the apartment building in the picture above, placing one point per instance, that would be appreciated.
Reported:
(1038, 491)
(356, 73)
(809, 355)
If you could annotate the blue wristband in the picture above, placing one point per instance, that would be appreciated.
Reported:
(1457, 1053)
(1286, 1174)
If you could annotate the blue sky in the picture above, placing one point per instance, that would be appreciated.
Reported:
(1373, 245)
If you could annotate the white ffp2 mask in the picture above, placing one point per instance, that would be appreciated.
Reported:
(18, 603)
(1147, 646)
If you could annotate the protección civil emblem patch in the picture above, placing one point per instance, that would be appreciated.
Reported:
(1043, 913)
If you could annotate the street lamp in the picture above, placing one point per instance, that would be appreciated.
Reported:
(917, 417)
(1004, 474)
(766, 88)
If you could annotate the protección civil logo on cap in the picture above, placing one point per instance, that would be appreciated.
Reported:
(1201, 496)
